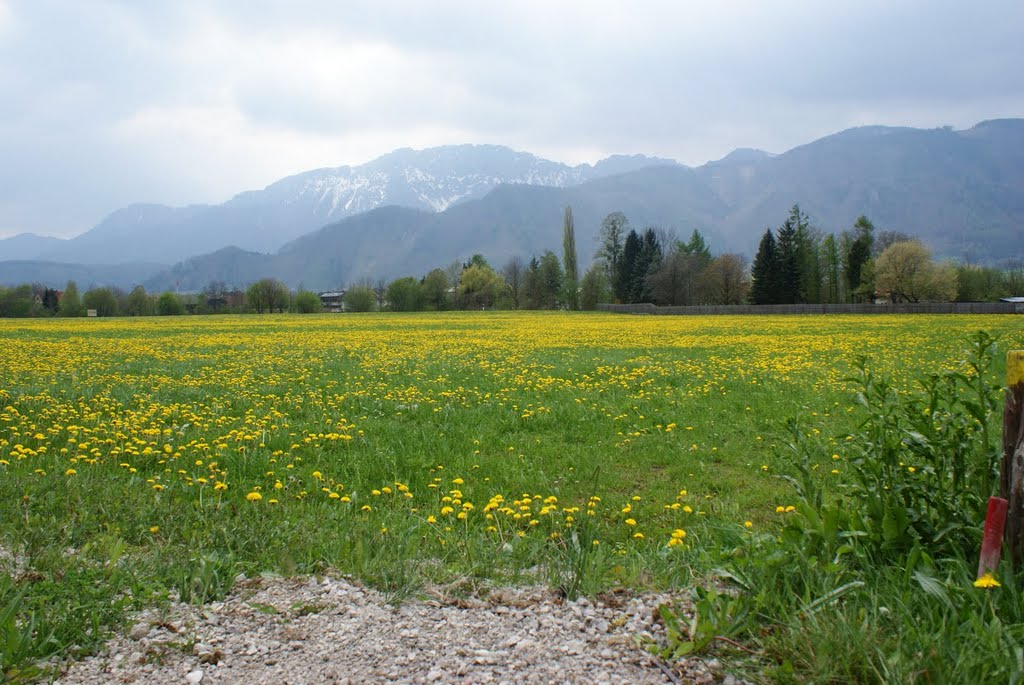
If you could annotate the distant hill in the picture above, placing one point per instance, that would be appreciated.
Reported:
(264, 220)
(27, 246)
(962, 192)
(86, 276)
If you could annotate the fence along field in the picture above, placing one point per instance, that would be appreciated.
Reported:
(146, 458)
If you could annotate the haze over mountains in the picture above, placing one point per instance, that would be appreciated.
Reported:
(409, 211)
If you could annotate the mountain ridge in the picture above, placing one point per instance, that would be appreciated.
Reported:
(961, 191)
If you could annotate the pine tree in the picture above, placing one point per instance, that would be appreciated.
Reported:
(789, 272)
(623, 285)
(648, 260)
(858, 254)
(765, 271)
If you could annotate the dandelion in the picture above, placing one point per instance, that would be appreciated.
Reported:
(366, 508)
(154, 529)
(748, 524)
(638, 536)
(254, 497)
(987, 581)
(70, 472)
(630, 522)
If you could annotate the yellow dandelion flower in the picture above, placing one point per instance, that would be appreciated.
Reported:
(254, 497)
(987, 581)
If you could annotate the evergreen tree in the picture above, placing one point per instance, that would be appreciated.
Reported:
(789, 274)
(765, 271)
(860, 247)
(623, 284)
(572, 276)
(698, 247)
(647, 261)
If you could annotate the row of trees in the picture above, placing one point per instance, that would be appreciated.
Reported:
(36, 300)
(798, 264)
(795, 263)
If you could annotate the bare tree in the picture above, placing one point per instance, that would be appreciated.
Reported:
(725, 280)
(513, 273)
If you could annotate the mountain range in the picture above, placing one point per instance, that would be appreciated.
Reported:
(409, 211)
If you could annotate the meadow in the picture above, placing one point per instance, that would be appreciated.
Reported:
(142, 459)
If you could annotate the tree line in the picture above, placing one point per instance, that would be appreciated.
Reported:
(799, 264)
(794, 264)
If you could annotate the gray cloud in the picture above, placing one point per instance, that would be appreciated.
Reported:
(110, 102)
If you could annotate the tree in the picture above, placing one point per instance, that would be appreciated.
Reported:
(570, 295)
(611, 243)
(676, 281)
(435, 289)
(792, 248)
(647, 261)
(51, 300)
(860, 247)
(905, 272)
(268, 294)
(513, 272)
(169, 304)
(307, 302)
(725, 281)
(405, 295)
(102, 300)
(832, 284)
(478, 287)
(622, 285)
(70, 301)
(138, 302)
(887, 238)
(17, 302)
(980, 284)
(697, 247)
(542, 284)
(764, 288)
(593, 288)
(360, 298)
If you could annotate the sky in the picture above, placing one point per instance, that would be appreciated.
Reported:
(104, 103)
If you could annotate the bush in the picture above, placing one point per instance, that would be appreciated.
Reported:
(872, 581)
(169, 304)
(307, 302)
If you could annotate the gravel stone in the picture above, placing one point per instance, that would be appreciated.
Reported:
(331, 630)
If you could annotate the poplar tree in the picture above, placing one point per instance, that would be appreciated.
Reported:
(571, 296)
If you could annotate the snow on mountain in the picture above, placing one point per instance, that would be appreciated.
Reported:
(432, 180)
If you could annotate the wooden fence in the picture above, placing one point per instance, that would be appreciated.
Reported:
(903, 308)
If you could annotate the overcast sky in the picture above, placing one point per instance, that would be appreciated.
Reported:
(105, 103)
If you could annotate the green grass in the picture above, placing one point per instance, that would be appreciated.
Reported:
(573, 407)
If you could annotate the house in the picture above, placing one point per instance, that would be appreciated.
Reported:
(332, 301)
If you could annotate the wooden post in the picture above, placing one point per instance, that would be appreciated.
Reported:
(1011, 475)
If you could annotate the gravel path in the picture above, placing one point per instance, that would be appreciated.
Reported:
(335, 631)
